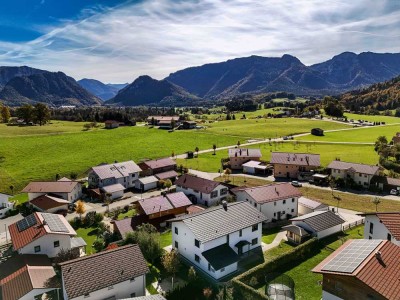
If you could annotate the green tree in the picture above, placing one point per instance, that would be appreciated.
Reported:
(171, 263)
(192, 275)
(167, 184)
(41, 114)
(5, 114)
(26, 113)
(99, 244)
(376, 201)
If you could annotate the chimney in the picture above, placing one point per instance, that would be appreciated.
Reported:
(225, 205)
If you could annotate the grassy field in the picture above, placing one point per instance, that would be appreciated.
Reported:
(89, 234)
(128, 214)
(166, 238)
(268, 235)
(386, 119)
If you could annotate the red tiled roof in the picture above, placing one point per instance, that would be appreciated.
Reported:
(50, 187)
(192, 209)
(392, 223)
(46, 202)
(298, 159)
(203, 185)
(270, 193)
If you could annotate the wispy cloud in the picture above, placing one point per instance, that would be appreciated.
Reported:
(157, 37)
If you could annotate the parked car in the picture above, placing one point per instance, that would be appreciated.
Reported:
(394, 192)
(296, 183)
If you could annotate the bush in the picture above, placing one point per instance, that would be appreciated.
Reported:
(98, 218)
(99, 244)
(126, 208)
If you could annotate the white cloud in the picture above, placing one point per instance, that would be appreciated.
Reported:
(156, 37)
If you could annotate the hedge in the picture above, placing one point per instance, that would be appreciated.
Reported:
(241, 282)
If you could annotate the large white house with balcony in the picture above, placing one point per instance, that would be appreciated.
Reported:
(202, 191)
(214, 239)
(361, 174)
(382, 226)
(124, 173)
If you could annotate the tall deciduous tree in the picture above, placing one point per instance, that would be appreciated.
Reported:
(5, 114)
(80, 208)
(171, 262)
(26, 113)
(41, 114)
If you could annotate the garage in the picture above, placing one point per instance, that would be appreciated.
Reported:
(146, 183)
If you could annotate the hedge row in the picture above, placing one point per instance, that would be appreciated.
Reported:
(241, 283)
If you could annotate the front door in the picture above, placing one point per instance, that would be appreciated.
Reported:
(206, 203)
(287, 175)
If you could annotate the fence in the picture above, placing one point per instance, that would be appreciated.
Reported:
(354, 224)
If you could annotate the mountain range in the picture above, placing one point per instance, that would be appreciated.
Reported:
(101, 90)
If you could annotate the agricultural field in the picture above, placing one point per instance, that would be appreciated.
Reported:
(379, 118)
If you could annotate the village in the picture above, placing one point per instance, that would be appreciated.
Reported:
(155, 229)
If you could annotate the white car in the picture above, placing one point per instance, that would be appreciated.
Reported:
(296, 183)
(394, 192)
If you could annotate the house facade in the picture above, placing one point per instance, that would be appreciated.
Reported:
(125, 173)
(201, 191)
(5, 205)
(113, 274)
(146, 183)
(215, 239)
(382, 226)
(361, 174)
(67, 190)
(276, 201)
(294, 165)
(239, 156)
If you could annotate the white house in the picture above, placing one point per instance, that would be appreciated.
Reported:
(114, 190)
(319, 223)
(255, 167)
(200, 190)
(146, 183)
(67, 190)
(126, 173)
(360, 173)
(114, 274)
(5, 205)
(44, 233)
(214, 240)
(276, 201)
(382, 226)
(307, 206)
(25, 277)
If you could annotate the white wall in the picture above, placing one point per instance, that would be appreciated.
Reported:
(35, 292)
(75, 194)
(147, 186)
(205, 199)
(359, 178)
(380, 232)
(54, 209)
(120, 291)
(127, 182)
(46, 244)
(303, 210)
(320, 234)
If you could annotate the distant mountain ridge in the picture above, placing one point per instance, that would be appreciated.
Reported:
(99, 89)
(8, 73)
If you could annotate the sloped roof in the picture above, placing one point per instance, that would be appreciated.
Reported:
(94, 272)
(50, 187)
(159, 163)
(148, 179)
(163, 203)
(392, 223)
(167, 175)
(203, 185)
(116, 170)
(113, 188)
(46, 202)
(320, 220)
(358, 168)
(221, 256)
(22, 273)
(298, 159)
(215, 222)
(244, 152)
(296, 230)
(312, 204)
(270, 193)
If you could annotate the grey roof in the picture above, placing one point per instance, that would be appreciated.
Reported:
(148, 179)
(312, 204)
(298, 159)
(215, 222)
(320, 220)
(113, 188)
(244, 152)
(149, 297)
(296, 230)
(116, 170)
(221, 256)
(167, 175)
(270, 192)
(358, 168)
(77, 242)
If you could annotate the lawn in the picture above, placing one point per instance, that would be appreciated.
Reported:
(89, 234)
(378, 118)
(128, 214)
(306, 282)
(268, 235)
(20, 198)
(166, 238)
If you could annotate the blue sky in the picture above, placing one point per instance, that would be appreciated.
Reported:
(116, 41)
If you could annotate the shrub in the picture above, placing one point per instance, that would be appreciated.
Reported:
(98, 218)
(99, 244)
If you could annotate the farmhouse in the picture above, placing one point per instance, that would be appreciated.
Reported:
(294, 165)
(44, 233)
(189, 125)
(239, 156)
(146, 183)
(114, 274)
(307, 206)
(124, 173)
(49, 204)
(382, 226)
(67, 190)
(111, 124)
(25, 277)
(5, 205)
(201, 190)
(215, 239)
(275, 201)
(361, 269)
(153, 167)
(166, 122)
(359, 173)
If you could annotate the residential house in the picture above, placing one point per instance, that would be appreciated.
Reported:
(307, 206)
(200, 190)
(125, 173)
(215, 239)
(114, 274)
(67, 190)
(5, 205)
(146, 183)
(49, 204)
(396, 138)
(276, 201)
(44, 233)
(382, 226)
(256, 168)
(319, 223)
(163, 121)
(361, 174)
(361, 269)
(26, 277)
(163, 168)
(239, 156)
(111, 124)
(189, 125)
(114, 191)
(294, 165)
(385, 184)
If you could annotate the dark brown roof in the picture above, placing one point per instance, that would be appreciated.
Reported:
(358, 168)
(22, 273)
(203, 185)
(158, 163)
(298, 159)
(46, 202)
(50, 187)
(130, 224)
(95, 272)
(160, 203)
(270, 193)
(166, 175)
(320, 220)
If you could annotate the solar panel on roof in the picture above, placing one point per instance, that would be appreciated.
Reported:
(54, 223)
(25, 223)
(352, 256)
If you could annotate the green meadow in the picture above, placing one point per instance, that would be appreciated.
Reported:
(377, 118)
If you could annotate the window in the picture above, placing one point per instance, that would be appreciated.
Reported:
(214, 194)
(292, 209)
(274, 214)
(389, 237)
(254, 228)
(359, 174)
(176, 230)
(176, 244)
(110, 287)
(274, 203)
(227, 239)
(240, 232)
(197, 258)
(223, 192)
(197, 243)
(56, 244)
(133, 295)
(284, 201)
(254, 241)
(292, 200)
(255, 204)
(37, 249)
(371, 228)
